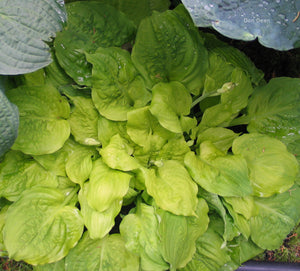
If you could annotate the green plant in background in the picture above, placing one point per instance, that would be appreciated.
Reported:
(128, 154)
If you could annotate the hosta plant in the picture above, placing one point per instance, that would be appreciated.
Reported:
(147, 145)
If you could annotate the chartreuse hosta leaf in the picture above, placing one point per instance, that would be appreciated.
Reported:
(91, 25)
(272, 169)
(19, 172)
(170, 102)
(107, 254)
(172, 188)
(244, 206)
(106, 185)
(174, 149)
(48, 227)
(216, 172)
(79, 163)
(118, 154)
(179, 234)
(168, 48)
(277, 216)
(98, 223)
(145, 130)
(73, 160)
(222, 138)
(101, 198)
(22, 45)
(109, 128)
(139, 231)
(116, 85)
(84, 121)
(43, 126)
(172, 245)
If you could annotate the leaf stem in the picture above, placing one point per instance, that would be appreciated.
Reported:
(202, 97)
(242, 120)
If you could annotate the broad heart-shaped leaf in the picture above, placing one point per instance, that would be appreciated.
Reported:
(71, 160)
(244, 206)
(169, 103)
(145, 130)
(172, 188)
(267, 20)
(48, 227)
(98, 223)
(168, 48)
(84, 121)
(118, 154)
(91, 25)
(225, 175)
(43, 128)
(106, 186)
(116, 85)
(19, 172)
(25, 26)
(79, 163)
(9, 122)
(139, 231)
(272, 169)
(109, 128)
(179, 234)
(222, 138)
(276, 217)
(274, 110)
(105, 254)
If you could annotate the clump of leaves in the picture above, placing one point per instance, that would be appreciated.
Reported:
(151, 130)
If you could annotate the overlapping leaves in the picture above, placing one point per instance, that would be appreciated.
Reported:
(156, 186)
